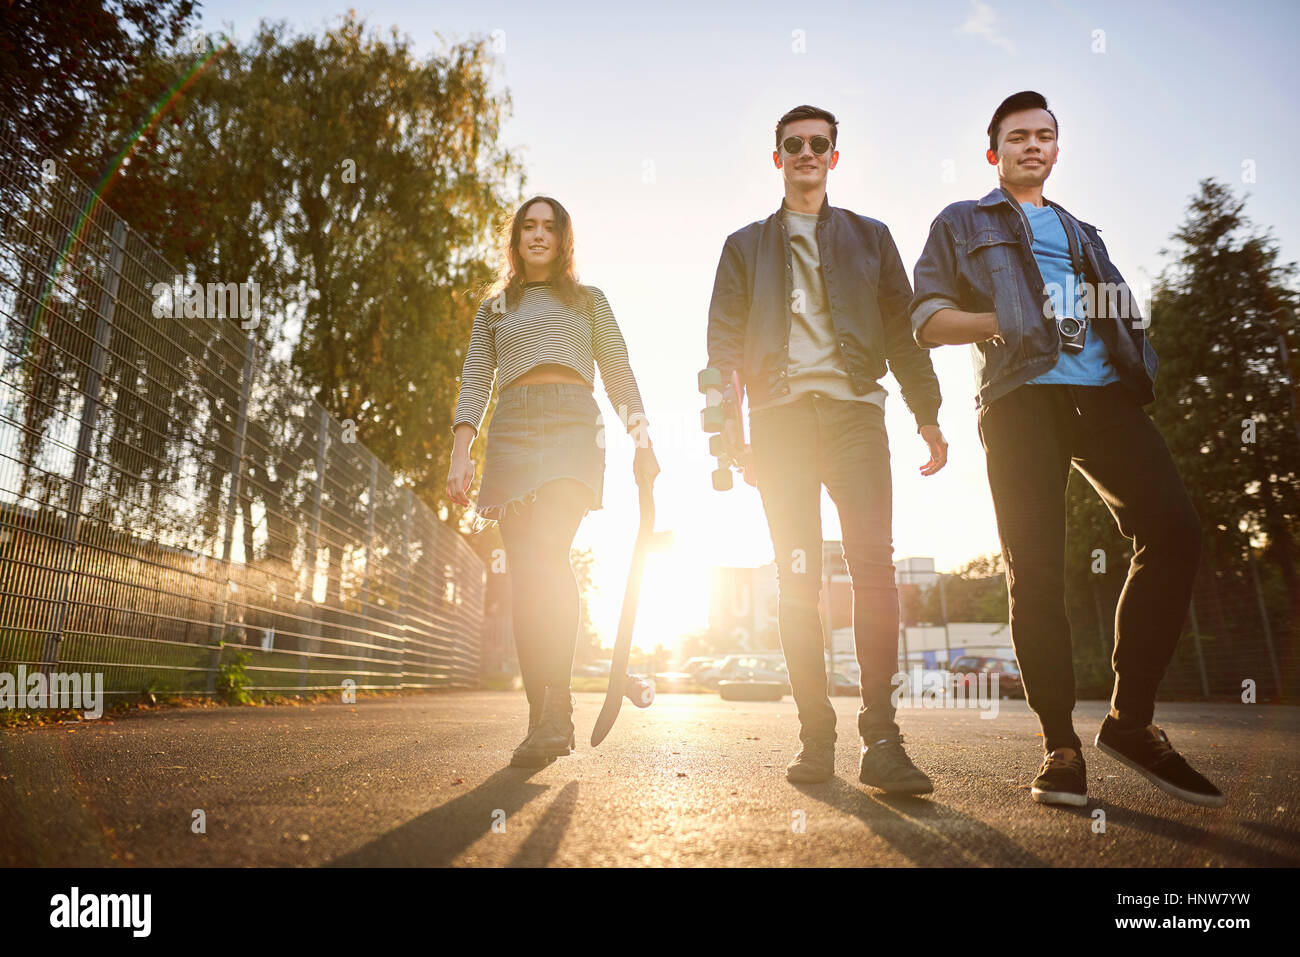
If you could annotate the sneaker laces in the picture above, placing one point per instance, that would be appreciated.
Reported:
(1161, 749)
(1059, 759)
(1160, 741)
(891, 751)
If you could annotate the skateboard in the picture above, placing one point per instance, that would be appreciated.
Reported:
(723, 419)
(637, 689)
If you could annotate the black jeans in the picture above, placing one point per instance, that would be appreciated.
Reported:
(1031, 436)
(842, 443)
(543, 589)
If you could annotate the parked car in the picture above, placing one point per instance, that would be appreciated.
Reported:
(968, 668)
(842, 684)
(752, 690)
(753, 678)
(703, 670)
(669, 681)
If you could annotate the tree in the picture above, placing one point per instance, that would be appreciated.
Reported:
(1224, 324)
(65, 62)
(360, 187)
(363, 188)
(977, 591)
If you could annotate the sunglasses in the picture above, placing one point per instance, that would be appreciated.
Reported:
(794, 144)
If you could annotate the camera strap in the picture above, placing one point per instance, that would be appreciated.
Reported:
(1076, 254)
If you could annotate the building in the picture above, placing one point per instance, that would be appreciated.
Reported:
(743, 602)
(743, 615)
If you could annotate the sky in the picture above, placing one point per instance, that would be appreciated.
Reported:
(654, 125)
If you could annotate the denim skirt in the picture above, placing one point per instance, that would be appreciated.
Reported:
(539, 432)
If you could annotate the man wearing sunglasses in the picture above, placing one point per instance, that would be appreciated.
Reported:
(1064, 369)
(810, 306)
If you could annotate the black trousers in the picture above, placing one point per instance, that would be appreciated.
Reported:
(842, 443)
(1031, 436)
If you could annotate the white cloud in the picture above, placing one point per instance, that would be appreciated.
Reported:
(980, 23)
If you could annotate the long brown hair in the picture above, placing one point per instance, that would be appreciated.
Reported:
(563, 276)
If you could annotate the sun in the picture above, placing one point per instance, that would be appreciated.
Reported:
(706, 532)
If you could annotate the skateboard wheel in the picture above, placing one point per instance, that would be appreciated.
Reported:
(717, 447)
(640, 691)
(722, 480)
(713, 419)
(710, 379)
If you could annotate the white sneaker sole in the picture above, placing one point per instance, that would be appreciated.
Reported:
(1191, 797)
(1058, 797)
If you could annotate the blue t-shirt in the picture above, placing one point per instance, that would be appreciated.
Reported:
(1092, 366)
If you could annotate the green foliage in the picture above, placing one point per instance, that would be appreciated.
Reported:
(1224, 322)
(64, 63)
(1093, 674)
(232, 680)
(977, 591)
(361, 186)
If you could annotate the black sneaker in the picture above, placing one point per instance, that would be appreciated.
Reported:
(885, 765)
(1062, 780)
(814, 763)
(1148, 752)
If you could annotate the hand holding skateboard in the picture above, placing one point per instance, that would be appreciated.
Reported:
(722, 417)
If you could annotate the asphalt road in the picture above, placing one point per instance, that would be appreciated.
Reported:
(423, 780)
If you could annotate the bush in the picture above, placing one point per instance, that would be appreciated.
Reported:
(233, 680)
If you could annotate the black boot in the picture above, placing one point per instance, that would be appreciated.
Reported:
(525, 756)
(554, 734)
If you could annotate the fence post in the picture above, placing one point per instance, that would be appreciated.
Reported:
(313, 537)
(85, 435)
(406, 580)
(1196, 642)
(947, 639)
(232, 506)
(459, 669)
(370, 532)
(1263, 617)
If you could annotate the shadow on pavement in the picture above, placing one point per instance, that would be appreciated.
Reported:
(544, 839)
(1283, 834)
(1206, 839)
(435, 839)
(927, 833)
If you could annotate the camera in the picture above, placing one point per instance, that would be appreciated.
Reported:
(1073, 332)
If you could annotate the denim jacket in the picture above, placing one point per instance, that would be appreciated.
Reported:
(867, 291)
(979, 258)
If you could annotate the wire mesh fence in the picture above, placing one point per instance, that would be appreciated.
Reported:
(169, 498)
(1239, 639)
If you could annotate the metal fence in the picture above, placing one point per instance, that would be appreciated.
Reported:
(168, 498)
(1239, 633)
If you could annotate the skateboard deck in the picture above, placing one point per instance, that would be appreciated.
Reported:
(640, 691)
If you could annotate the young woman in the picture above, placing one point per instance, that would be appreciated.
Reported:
(545, 462)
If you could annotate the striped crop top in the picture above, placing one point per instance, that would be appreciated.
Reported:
(542, 329)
